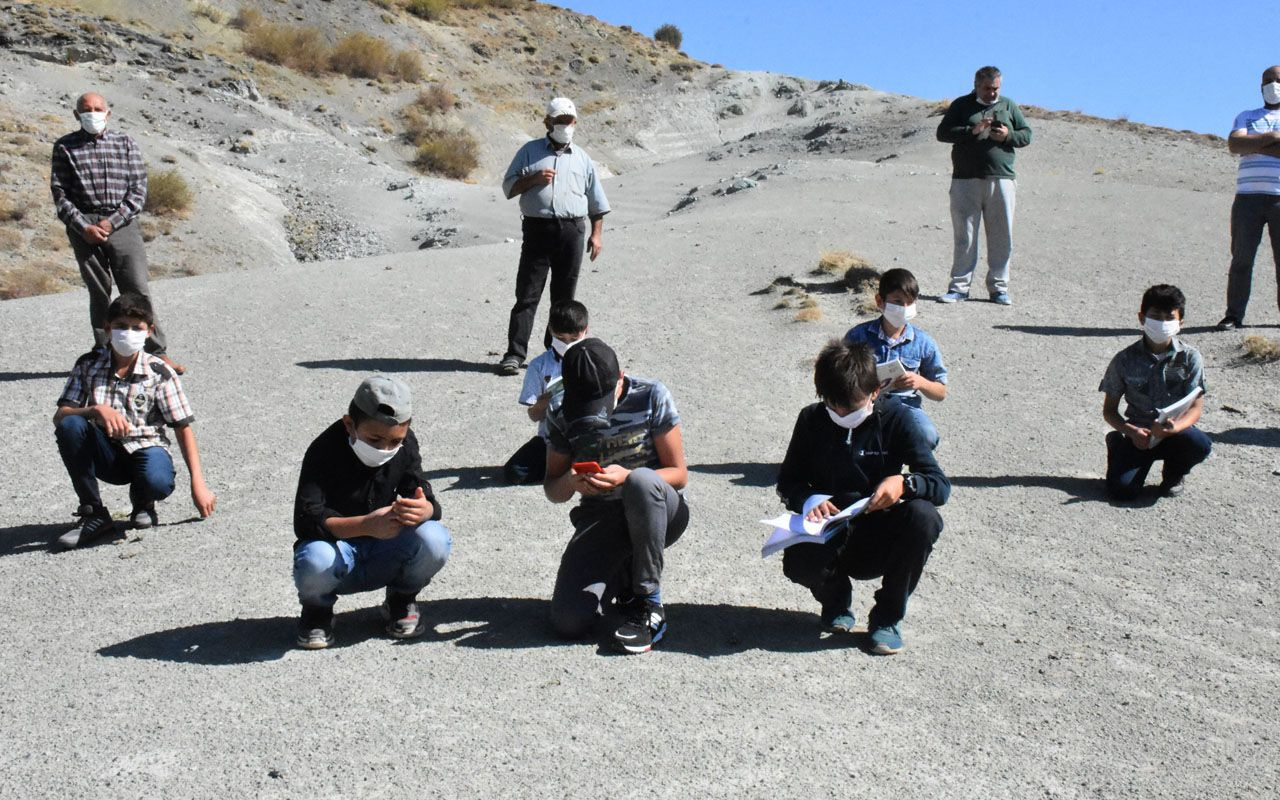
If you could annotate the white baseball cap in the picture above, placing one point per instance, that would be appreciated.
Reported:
(560, 106)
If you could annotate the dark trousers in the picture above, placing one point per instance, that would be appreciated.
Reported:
(123, 258)
(552, 246)
(616, 547)
(1249, 214)
(89, 454)
(528, 464)
(1127, 466)
(894, 543)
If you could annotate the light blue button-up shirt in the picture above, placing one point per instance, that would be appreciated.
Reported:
(574, 192)
(914, 348)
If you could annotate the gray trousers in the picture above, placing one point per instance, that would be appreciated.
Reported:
(121, 258)
(973, 202)
(1249, 213)
(616, 546)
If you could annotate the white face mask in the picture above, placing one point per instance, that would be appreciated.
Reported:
(853, 419)
(369, 455)
(897, 315)
(127, 342)
(563, 133)
(1271, 93)
(1160, 331)
(561, 347)
(93, 122)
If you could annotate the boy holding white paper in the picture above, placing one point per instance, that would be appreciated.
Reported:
(844, 449)
(1156, 372)
(892, 338)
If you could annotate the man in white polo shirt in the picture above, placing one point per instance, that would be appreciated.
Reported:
(1255, 136)
(559, 191)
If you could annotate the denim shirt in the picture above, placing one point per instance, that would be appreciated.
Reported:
(914, 348)
(574, 192)
(1148, 381)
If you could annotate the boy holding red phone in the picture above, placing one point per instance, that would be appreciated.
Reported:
(615, 441)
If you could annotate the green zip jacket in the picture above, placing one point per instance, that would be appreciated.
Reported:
(972, 157)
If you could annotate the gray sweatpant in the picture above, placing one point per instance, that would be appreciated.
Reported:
(973, 202)
(123, 258)
(616, 545)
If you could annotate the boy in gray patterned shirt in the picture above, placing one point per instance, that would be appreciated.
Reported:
(1154, 373)
(615, 440)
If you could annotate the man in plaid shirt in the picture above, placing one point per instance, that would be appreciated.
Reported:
(99, 186)
(110, 424)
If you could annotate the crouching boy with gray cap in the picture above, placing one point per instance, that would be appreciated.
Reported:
(365, 516)
(615, 440)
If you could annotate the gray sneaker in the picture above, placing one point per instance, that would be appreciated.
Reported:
(93, 526)
(509, 366)
(952, 297)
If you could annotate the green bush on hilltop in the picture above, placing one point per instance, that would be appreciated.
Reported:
(669, 35)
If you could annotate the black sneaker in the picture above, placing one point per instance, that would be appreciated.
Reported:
(144, 517)
(644, 624)
(315, 627)
(1173, 488)
(509, 365)
(1229, 323)
(401, 613)
(93, 526)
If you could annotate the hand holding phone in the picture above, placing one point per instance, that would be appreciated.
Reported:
(587, 468)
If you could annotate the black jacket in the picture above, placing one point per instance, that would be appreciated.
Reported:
(824, 458)
(334, 483)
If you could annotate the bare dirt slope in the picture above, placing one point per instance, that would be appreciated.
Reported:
(1058, 646)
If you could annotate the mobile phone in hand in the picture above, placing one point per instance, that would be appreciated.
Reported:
(587, 468)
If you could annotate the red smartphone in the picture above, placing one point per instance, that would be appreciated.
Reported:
(587, 468)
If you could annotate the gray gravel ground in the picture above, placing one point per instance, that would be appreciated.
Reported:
(1058, 646)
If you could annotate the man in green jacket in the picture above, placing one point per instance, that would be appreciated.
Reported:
(983, 129)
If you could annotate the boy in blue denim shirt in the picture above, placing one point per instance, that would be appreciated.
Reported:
(892, 336)
(1154, 372)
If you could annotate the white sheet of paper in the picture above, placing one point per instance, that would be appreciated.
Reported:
(1179, 408)
(789, 529)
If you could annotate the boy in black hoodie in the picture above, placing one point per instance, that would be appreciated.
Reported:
(844, 449)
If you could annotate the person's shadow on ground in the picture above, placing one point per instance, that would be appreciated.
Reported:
(1257, 437)
(399, 365)
(505, 623)
(748, 473)
(31, 538)
(1078, 490)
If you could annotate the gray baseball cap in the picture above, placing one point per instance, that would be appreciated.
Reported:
(386, 399)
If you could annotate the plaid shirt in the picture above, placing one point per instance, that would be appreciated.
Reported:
(101, 175)
(149, 397)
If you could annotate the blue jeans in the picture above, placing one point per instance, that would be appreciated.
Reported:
(323, 570)
(89, 454)
(1127, 466)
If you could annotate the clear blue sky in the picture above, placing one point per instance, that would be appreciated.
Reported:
(1177, 63)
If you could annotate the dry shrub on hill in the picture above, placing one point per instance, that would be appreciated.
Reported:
(209, 12)
(360, 56)
(35, 278)
(451, 153)
(427, 9)
(436, 99)
(168, 194)
(407, 66)
(247, 17)
(669, 35)
(1260, 348)
(11, 240)
(296, 47)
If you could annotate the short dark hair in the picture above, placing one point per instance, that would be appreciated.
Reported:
(568, 316)
(1165, 297)
(985, 74)
(131, 304)
(845, 373)
(899, 280)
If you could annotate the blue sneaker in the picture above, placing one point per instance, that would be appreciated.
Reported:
(838, 620)
(952, 297)
(1002, 299)
(887, 640)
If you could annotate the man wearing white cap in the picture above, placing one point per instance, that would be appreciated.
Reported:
(559, 191)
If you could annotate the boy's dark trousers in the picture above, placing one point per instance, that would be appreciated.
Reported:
(894, 543)
(1127, 466)
(89, 455)
(549, 245)
(528, 464)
